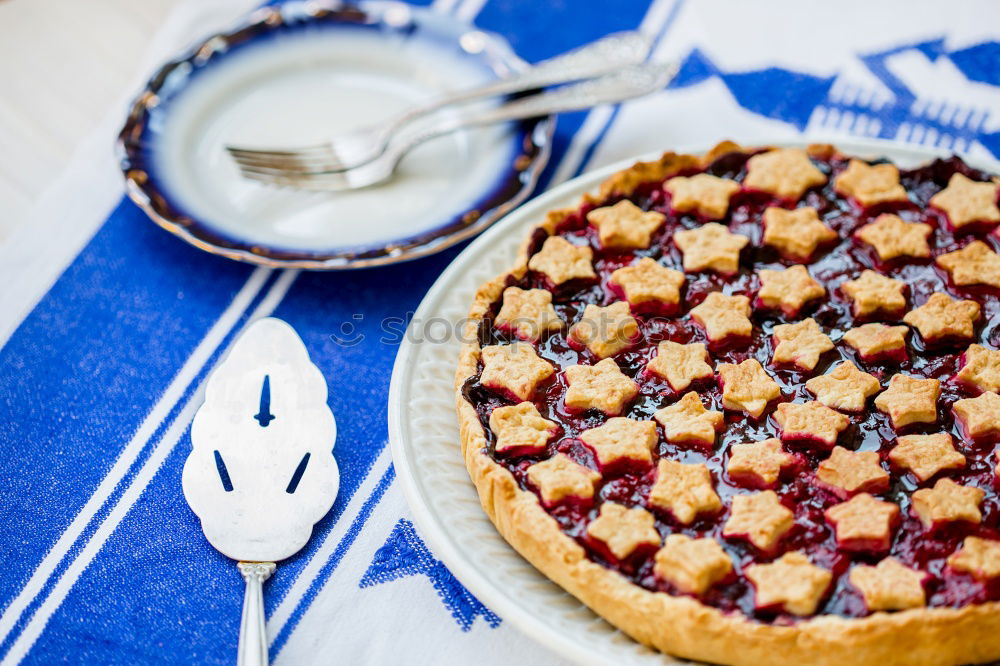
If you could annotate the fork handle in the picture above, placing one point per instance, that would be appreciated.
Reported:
(252, 649)
(625, 84)
(628, 83)
(600, 57)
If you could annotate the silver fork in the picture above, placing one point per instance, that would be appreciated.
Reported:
(628, 83)
(352, 149)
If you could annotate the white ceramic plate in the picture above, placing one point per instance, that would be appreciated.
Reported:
(296, 74)
(423, 434)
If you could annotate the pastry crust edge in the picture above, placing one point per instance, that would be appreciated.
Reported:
(678, 625)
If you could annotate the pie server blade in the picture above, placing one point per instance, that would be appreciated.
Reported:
(261, 471)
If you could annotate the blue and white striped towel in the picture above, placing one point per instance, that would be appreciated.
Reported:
(109, 338)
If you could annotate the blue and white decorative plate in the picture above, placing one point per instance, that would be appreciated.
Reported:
(295, 75)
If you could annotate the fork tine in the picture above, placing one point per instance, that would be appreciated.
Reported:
(279, 171)
(290, 159)
(327, 183)
(281, 155)
(285, 152)
(295, 165)
(340, 180)
(289, 168)
(275, 179)
(283, 176)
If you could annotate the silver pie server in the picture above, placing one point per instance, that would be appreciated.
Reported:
(261, 471)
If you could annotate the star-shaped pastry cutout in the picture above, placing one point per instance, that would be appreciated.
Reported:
(892, 237)
(909, 400)
(789, 289)
(602, 386)
(863, 523)
(747, 387)
(710, 247)
(514, 370)
(625, 226)
(688, 422)
(758, 464)
(978, 557)
(691, 565)
(760, 518)
(875, 342)
(791, 583)
(848, 473)
(846, 387)
(978, 417)
(527, 313)
(561, 261)
(873, 293)
(944, 317)
(521, 430)
(966, 201)
(560, 478)
(648, 286)
(796, 233)
(621, 440)
(870, 184)
(980, 369)
(623, 530)
(724, 316)
(801, 343)
(975, 263)
(703, 194)
(926, 455)
(784, 172)
(605, 331)
(810, 421)
(948, 502)
(889, 585)
(680, 364)
(685, 490)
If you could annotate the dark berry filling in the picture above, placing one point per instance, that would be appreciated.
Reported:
(629, 484)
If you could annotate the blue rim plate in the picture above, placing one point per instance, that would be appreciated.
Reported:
(240, 86)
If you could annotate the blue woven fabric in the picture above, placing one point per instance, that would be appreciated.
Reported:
(92, 520)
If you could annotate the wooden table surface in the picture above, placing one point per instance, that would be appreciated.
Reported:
(62, 63)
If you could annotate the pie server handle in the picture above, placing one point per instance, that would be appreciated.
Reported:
(253, 635)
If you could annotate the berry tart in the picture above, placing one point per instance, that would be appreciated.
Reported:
(745, 406)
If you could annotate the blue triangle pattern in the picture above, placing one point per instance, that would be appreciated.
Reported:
(773, 92)
(779, 93)
(979, 63)
(404, 554)
(695, 69)
(932, 49)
